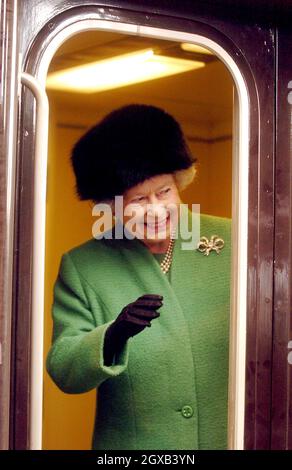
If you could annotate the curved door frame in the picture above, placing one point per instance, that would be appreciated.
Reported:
(244, 294)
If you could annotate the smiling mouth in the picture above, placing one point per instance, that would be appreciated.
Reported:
(154, 226)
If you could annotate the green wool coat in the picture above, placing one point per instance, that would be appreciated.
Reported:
(167, 389)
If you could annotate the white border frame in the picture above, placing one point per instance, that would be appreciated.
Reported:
(239, 233)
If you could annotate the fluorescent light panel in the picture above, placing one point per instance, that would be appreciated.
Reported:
(195, 48)
(119, 71)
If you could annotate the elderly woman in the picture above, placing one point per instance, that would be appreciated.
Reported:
(165, 386)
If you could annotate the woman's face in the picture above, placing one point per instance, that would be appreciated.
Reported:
(154, 204)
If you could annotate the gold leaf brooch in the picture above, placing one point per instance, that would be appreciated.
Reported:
(215, 243)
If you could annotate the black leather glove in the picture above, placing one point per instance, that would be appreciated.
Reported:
(132, 320)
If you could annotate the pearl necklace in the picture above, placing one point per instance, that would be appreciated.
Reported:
(167, 260)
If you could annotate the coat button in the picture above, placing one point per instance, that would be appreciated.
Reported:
(187, 411)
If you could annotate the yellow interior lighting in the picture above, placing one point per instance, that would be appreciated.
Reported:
(119, 71)
(195, 48)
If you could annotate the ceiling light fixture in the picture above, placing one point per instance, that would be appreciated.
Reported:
(195, 48)
(119, 71)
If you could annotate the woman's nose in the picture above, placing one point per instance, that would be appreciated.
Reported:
(153, 200)
(156, 209)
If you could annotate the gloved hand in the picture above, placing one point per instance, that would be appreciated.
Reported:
(132, 320)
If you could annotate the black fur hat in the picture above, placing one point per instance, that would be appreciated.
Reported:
(129, 145)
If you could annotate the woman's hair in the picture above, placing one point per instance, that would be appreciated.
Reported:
(184, 178)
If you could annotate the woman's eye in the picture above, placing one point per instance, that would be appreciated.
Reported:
(164, 191)
(138, 199)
